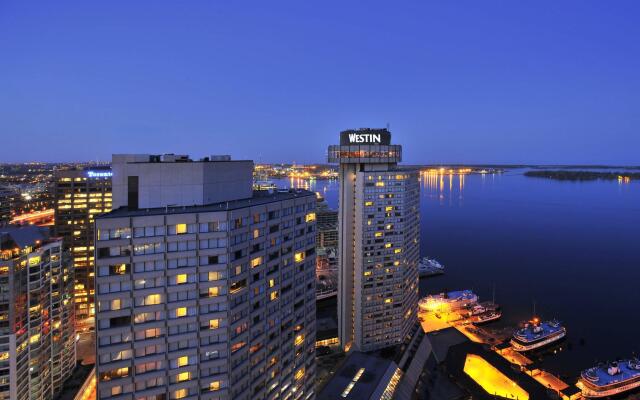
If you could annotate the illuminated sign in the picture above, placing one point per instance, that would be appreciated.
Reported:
(368, 136)
(99, 174)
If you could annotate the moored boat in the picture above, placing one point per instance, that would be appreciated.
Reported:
(451, 301)
(536, 334)
(429, 267)
(486, 317)
(610, 379)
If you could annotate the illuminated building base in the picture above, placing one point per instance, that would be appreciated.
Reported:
(491, 380)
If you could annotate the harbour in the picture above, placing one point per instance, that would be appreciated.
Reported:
(496, 218)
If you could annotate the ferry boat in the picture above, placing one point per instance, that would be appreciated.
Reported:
(429, 267)
(452, 301)
(610, 379)
(536, 334)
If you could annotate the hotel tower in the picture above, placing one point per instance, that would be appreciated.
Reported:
(205, 289)
(379, 241)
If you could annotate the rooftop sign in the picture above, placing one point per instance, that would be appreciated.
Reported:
(365, 136)
(99, 174)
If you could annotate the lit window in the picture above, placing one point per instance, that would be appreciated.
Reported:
(397, 251)
(256, 262)
(214, 275)
(184, 376)
(121, 269)
(180, 393)
(214, 291)
(182, 361)
(181, 312)
(368, 203)
(389, 300)
(299, 340)
(256, 233)
(388, 245)
(274, 295)
(116, 304)
(181, 278)
(299, 374)
(272, 283)
(378, 234)
(388, 208)
(380, 183)
(367, 273)
(298, 257)
(213, 386)
(181, 228)
(310, 217)
(152, 299)
(214, 323)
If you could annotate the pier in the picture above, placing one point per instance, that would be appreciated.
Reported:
(442, 318)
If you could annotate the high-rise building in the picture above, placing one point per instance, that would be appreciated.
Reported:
(6, 198)
(37, 336)
(379, 241)
(205, 289)
(327, 236)
(80, 195)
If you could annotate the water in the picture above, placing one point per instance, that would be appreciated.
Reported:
(573, 248)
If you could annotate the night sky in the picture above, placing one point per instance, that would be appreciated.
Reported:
(275, 81)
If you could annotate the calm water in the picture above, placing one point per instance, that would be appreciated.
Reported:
(572, 247)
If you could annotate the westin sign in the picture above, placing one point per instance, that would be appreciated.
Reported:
(373, 136)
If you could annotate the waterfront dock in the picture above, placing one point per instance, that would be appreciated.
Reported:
(495, 343)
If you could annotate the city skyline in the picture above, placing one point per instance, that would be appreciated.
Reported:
(483, 83)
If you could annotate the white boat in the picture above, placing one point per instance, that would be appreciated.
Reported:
(452, 301)
(536, 334)
(429, 267)
(486, 317)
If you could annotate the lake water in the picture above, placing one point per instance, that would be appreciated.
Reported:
(573, 248)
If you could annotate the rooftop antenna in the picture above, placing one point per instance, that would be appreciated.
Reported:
(388, 126)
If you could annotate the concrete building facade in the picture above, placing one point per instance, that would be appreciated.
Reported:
(212, 300)
(37, 336)
(378, 241)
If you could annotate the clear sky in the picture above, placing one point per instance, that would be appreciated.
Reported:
(458, 81)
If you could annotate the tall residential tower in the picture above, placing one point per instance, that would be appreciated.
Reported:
(37, 336)
(205, 289)
(379, 241)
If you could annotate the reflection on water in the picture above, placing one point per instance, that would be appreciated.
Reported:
(443, 184)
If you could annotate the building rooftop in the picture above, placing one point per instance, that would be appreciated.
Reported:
(22, 236)
(173, 158)
(365, 371)
(259, 197)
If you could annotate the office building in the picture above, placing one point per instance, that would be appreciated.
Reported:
(379, 241)
(6, 198)
(80, 195)
(205, 289)
(37, 337)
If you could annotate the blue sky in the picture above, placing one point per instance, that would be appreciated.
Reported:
(458, 81)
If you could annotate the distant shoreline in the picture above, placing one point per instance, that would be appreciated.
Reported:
(582, 175)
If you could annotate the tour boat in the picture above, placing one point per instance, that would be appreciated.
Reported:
(610, 379)
(536, 334)
(429, 267)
